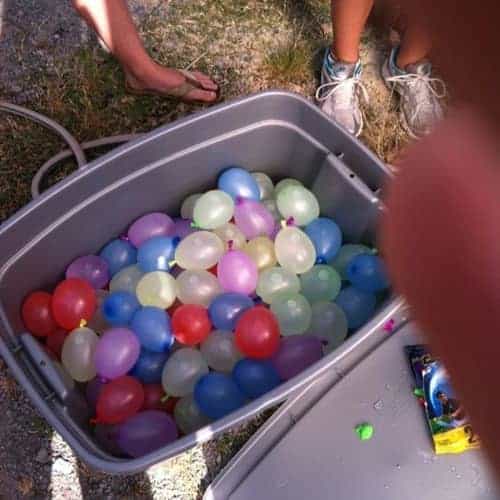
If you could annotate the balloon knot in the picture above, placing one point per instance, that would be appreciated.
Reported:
(389, 326)
(165, 398)
(290, 221)
(83, 323)
(230, 245)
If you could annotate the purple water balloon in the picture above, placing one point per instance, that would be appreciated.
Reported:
(237, 272)
(107, 435)
(149, 225)
(295, 354)
(116, 353)
(145, 432)
(182, 227)
(253, 218)
(90, 268)
(92, 391)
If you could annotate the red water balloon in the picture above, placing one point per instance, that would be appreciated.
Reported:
(191, 324)
(37, 314)
(73, 300)
(156, 399)
(119, 399)
(56, 340)
(257, 333)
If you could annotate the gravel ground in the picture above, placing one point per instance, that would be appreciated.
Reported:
(36, 36)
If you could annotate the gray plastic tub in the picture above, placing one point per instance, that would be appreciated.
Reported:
(275, 132)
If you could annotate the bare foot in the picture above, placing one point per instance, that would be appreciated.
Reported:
(160, 79)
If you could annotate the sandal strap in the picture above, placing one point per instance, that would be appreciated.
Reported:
(191, 83)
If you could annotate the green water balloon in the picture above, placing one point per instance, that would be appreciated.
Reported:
(126, 280)
(188, 205)
(294, 250)
(219, 351)
(275, 280)
(298, 203)
(293, 312)
(329, 323)
(77, 354)
(283, 183)
(266, 186)
(188, 416)
(213, 209)
(320, 283)
(273, 208)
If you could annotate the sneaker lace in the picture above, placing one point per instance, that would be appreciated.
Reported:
(421, 84)
(345, 89)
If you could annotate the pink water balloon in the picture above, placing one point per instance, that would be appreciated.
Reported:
(237, 272)
(148, 226)
(253, 218)
(90, 268)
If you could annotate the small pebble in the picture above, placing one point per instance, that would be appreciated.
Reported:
(61, 466)
(42, 456)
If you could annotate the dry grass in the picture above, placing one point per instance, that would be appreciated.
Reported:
(246, 45)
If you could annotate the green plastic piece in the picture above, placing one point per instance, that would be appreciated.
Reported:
(364, 431)
(419, 393)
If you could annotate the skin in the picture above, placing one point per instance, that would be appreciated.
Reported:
(441, 234)
(112, 22)
(349, 18)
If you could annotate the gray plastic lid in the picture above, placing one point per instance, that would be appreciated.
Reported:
(321, 457)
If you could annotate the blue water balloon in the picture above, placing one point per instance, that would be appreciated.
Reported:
(357, 305)
(149, 366)
(119, 307)
(157, 254)
(254, 378)
(367, 272)
(153, 329)
(326, 237)
(226, 309)
(238, 183)
(217, 395)
(118, 254)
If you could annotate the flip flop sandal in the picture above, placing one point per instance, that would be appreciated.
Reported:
(178, 92)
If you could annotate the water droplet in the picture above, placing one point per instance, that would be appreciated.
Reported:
(453, 468)
(398, 466)
(458, 476)
(387, 387)
(378, 405)
(386, 486)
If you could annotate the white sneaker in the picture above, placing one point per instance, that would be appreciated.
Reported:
(420, 95)
(340, 91)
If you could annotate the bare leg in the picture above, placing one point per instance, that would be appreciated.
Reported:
(415, 45)
(114, 25)
(348, 19)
